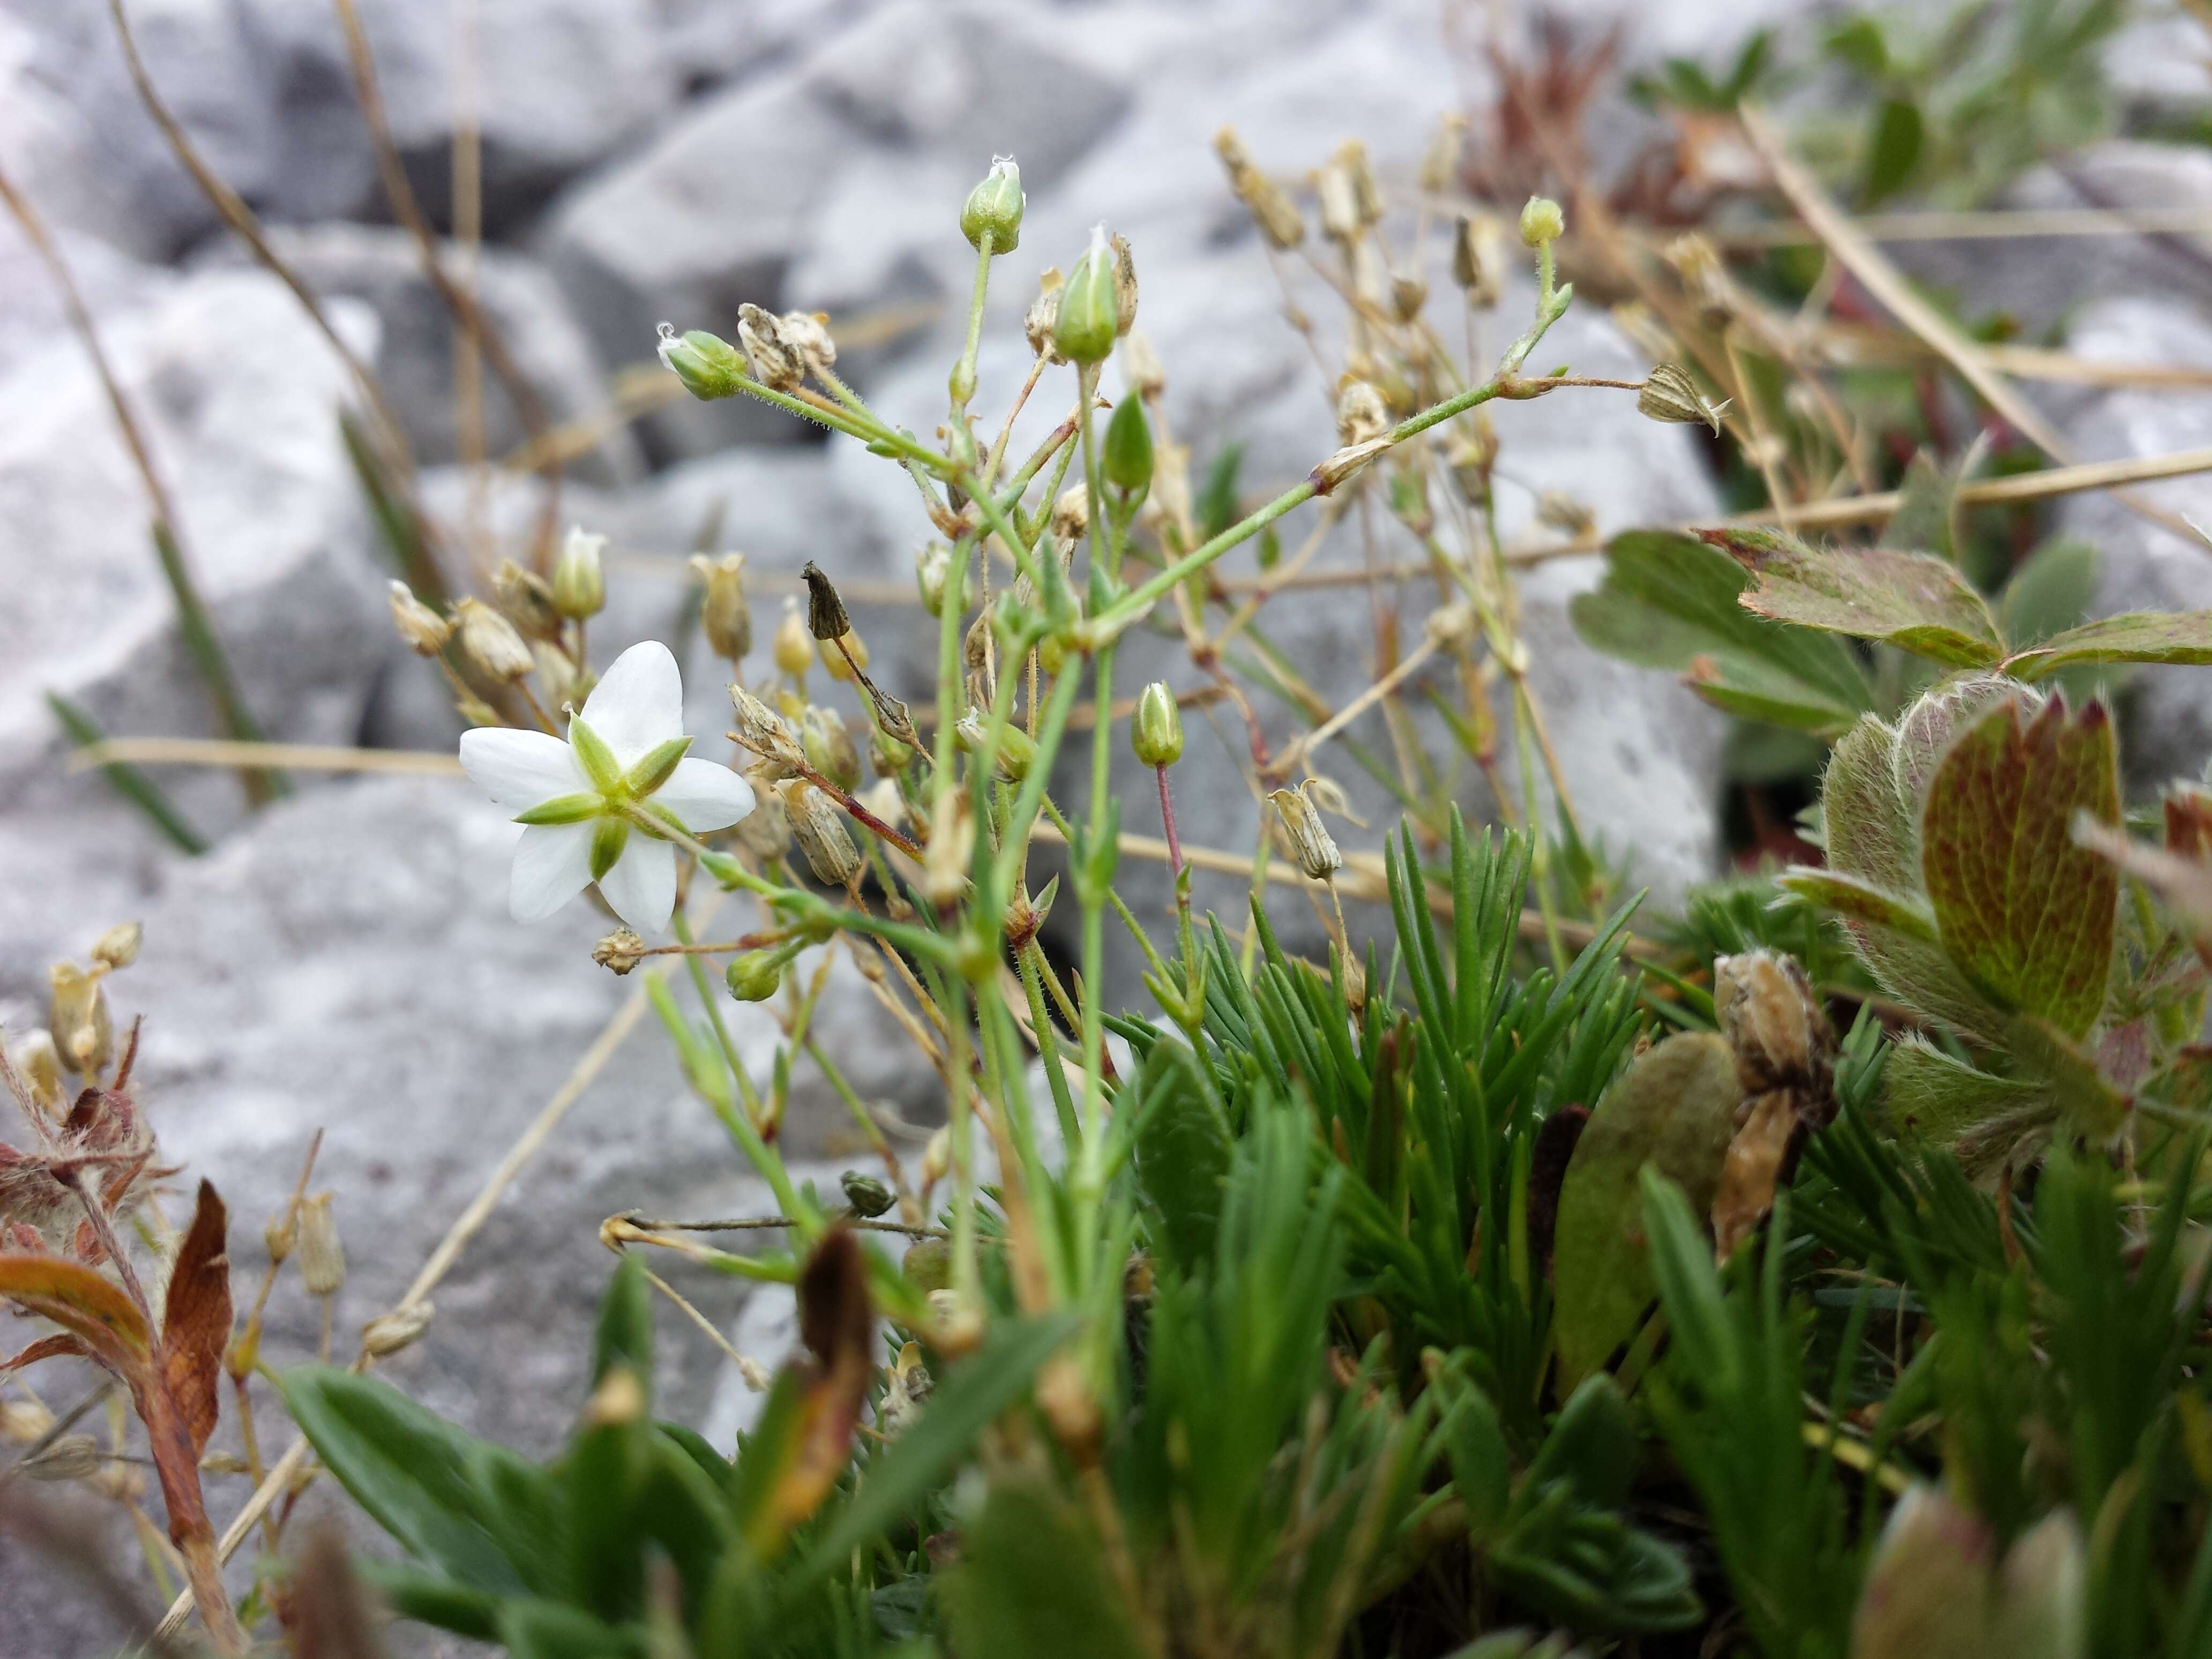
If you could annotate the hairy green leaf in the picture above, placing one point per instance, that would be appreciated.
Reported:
(2177, 637)
(1862, 901)
(1913, 601)
(1670, 601)
(1929, 1094)
(2027, 915)
(1183, 1151)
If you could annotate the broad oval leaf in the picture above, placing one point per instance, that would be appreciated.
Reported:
(2172, 637)
(1674, 1110)
(1670, 601)
(1913, 601)
(2026, 914)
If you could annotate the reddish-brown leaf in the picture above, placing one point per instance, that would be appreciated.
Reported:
(196, 1323)
(837, 1325)
(85, 1304)
(46, 1347)
(2026, 913)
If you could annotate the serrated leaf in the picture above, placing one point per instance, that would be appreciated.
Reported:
(1670, 601)
(1674, 1110)
(2173, 637)
(1911, 600)
(195, 1318)
(2028, 915)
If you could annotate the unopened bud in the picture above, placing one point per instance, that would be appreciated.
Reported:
(619, 952)
(118, 946)
(1312, 845)
(818, 823)
(579, 582)
(1669, 394)
(754, 976)
(827, 742)
(525, 600)
(708, 366)
(995, 207)
(1156, 733)
(1016, 753)
(776, 360)
(388, 1334)
(1044, 317)
(70, 1457)
(39, 1064)
(794, 644)
(76, 1014)
(725, 616)
(868, 1196)
(1542, 221)
(490, 642)
(1362, 416)
(1479, 258)
(422, 629)
(1089, 306)
(322, 1257)
(1126, 455)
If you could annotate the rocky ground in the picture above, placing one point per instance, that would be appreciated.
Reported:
(343, 961)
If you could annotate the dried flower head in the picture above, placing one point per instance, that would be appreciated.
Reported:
(776, 362)
(322, 1257)
(828, 745)
(817, 824)
(70, 1457)
(1277, 215)
(1361, 415)
(422, 629)
(118, 946)
(1044, 317)
(1440, 161)
(1071, 513)
(1140, 362)
(949, 851)
(490, 643)
(76, 1014)
(1312, 845)
(1669, 394)
(1767, 1009)
(1557, 510)
(525, 600)
(1479, 258)
(38, 1065)
(619, 952)
(807, 332)
(388, 1334)
(1125, 285)
(764, 732)
(765, 832)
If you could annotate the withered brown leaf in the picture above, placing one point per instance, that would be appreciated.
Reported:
(195, 1321)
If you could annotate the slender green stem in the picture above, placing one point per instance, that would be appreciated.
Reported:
(762, 1156)
(1048, 1040)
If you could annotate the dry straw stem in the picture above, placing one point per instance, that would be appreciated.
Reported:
(1986, 226)
(1856, 254)
(458, 1236)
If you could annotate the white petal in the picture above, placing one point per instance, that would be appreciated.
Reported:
(704, 795)
(642, 887)
(518, 769)
(552, 865)
(638, 704)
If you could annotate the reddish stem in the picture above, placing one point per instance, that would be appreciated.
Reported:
(1167, 816)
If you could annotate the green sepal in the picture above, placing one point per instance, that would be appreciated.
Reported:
(656, 767)
(564, 809)
(609, 837)
(592, 754)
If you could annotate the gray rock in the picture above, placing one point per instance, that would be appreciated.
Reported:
(381, 267)
(2167, 732)
(239, 398)
(834, 184)
(32, 312)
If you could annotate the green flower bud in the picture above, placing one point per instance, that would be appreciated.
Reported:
(867, 1195)
(1016, 754)
(1089, 305)
(887, 754)
(995, 205)
(1542, 220)
(708, 366)
(827, 745)
(754, 976)
(579, 582)
(1128, 457)
(1157, 732)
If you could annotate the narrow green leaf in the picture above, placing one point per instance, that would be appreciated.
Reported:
(2028, 915)
(624, 1335)
(204, 646)
(1911, 600)
(128, 781)
(1182, 1156)
(1670, 601)
(1893, 148)
(1862, 900)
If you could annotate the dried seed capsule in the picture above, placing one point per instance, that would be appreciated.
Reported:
(795, 645)
(754, 976)
(867, 1195)
(1089, 306)
(763, 731)
(827, 742)
(424, 629)
(1156, 733)
(1407, 295)
(1310, 843)
(826, 612)
(725, 616)
(1044, 317)
(1279, 219)
(950, 852)
(1479, 258)
(619, 952)
(524, 597)
(1071, 513)
(776, 360)
(1669, 394)
(1440, 161)
(995, 206)
(807, 332)
(708, 365)
(1542, 220)
(1557, 510)
(579, 582)
(388, 1334)
(1125, 286)
(118, 946)
(322, 1257)
(818, 823)
(765, 832)
(1362, 416)
(70, 1457)
(76, 1014)
(280, 1235)
(491, 644)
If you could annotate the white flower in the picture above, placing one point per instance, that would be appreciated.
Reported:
(587, 804)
